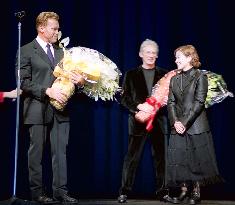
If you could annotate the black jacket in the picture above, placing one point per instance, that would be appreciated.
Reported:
(36, 72)
(188, 105)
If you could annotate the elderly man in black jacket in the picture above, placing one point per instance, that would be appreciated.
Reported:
(137, 86)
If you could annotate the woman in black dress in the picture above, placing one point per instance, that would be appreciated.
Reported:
(191, 157)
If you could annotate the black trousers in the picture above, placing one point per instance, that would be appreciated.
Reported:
(133, 156)
(58, 133)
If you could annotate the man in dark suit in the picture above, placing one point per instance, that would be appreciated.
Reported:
(38, 59)
(137, 86)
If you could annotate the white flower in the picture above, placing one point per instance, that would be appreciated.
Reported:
(101, 74)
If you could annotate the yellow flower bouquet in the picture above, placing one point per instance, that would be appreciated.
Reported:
(100, 73)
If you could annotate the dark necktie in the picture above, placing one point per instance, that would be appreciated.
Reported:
(49, 53)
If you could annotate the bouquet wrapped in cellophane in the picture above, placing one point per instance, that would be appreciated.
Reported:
(158, 99)
(217, 89)
(100, 73)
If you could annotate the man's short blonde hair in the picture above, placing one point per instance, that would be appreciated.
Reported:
(42, 18)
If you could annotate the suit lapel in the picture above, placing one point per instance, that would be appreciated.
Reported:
(141, 80)
(39, 51)
(157, 76)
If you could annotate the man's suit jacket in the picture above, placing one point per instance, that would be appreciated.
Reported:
(36, 72)
(135, 92)
(187, 104)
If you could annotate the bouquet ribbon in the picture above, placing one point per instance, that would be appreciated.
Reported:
(153, 102)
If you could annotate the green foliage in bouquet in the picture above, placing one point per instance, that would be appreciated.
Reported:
(217, 89)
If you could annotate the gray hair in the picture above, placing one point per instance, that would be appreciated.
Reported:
(148, 42)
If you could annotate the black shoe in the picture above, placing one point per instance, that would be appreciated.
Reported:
(167, 198)
(181, 198)
(195, 198)
(43, 199)
(122, 199)
(66, 199)
(161, 193)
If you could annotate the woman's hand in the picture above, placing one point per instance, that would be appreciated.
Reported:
(179, 127)
(11, 94)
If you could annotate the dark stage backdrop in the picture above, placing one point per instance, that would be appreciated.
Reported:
(116, 28)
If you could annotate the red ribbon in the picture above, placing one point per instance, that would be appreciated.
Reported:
(152, 101)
